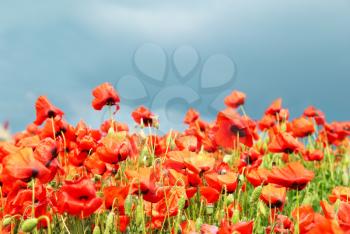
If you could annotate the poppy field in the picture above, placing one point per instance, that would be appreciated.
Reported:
(231, 175)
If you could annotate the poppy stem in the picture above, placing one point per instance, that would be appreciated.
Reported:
(297, 231)
(33, 197)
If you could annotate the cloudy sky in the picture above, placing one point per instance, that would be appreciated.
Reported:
(298, 50)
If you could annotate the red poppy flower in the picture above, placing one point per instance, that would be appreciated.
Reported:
(274, 196)
(318, 115)
(283, 142)
(301, 127)
(235, 99)
(249, 160)
(78, 198)
(223, 180)
(191, 116)
(113, 149)
(281, 225)
(115, 197)
(142, 115)
(293, 176)
(116, 126)
(22, 165)
(266, 122)
(200, 162)
(105, 95)
(275, 107)
(257, 176)
(324, 225)
(45, 110)
(231, 127)
(313, 155)
(187, 142)
(240, 227)
(344, 216)
(340, 192)
(95, 165)
(209, 194)
(144, 182)
(307, 218)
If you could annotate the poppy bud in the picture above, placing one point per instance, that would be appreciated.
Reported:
(28, 225)
(262, 208)
(181, 203)
(109, 223)
(256, 194)
(235, 216)
(227, 158)
(229, 199)
(97, 230)
(128, 205)
(6, 221)
(210, 209)
(199, 223)
(139, 213)
(345, 177)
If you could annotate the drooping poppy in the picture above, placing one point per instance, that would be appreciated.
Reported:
(105, 95)
(22, 165)
(293, 176)
(266, 122)
(232, 128)
(78, 198)
(273, 196)
(45, 110)
(235, 99)
(301, 127)
(145, 117)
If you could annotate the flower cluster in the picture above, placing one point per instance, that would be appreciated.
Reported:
(232, 175)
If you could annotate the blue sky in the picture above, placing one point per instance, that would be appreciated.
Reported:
(297, 50)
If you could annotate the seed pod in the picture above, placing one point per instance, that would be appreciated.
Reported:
(109, 223)
(256, 194)
(97, 230)
(28, 225)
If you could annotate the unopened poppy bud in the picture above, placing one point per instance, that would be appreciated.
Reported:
(210, 209)
(128, 205)
(345, 177)
(235, 216)
(97, 230)
(227, 158)
(109, 223)
(336, 205)
(6, 221)
(262, 209)
(199, 223)
(181, 203)
(28, 225)
(229, 199)
(256, 194)
(139, 214)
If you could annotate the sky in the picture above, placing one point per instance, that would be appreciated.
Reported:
(171, 55)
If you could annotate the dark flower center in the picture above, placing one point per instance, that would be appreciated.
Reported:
(110, 102)
(236, 130)
(248, 160)
(277, 204)
(51, 114)
(83, 197)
